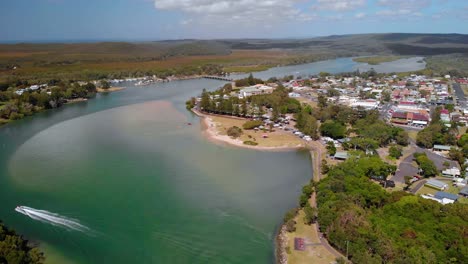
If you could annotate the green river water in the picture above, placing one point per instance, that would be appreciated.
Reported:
(148, 187)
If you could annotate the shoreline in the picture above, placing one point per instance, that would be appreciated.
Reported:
(209, 131)
(111, 89)
(315, 151)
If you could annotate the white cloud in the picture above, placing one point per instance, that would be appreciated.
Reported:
(360, 15)
(405, 4)
(339, 5)
(402, 9)
(247, 13)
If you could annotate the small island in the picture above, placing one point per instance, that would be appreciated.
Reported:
(376, 60)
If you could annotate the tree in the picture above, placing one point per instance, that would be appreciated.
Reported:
(234, 132)
(331, 148)
(333, 129)
(457, 155)
(310, 214)
(244, 108)
(386, 96)
(251, 79)
(395, 152)
(252, 124)
(322, 101)
(426, 165)
(324, 168)
(105, 84)
(205, 101)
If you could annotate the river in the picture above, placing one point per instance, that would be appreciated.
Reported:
(142, 185)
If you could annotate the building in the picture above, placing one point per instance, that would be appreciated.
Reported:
(441, 148)
(367, 104)
(453, 172)
(255, 90)
(445, 115)
(446, 195)
(464, 192)
(436, 184)
(410, 118)
(341, 155)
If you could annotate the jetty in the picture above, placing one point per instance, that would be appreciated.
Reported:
(221, 78)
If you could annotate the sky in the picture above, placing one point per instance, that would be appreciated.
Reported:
(139, 20)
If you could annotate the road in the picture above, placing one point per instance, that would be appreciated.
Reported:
(406, 167)
(417, 186)
(460, 94)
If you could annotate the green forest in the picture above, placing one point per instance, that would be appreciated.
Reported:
(14, 106)
(15, 250)
(375, 226)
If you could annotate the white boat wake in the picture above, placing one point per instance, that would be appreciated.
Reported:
(52, 218)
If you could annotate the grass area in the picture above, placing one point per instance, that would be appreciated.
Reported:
(313, 253)
(412, 134)
(278, 138)
(307, 101)
(427, 190)
(377, 59)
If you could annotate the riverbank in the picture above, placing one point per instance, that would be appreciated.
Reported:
(215, 129)
(111, 89)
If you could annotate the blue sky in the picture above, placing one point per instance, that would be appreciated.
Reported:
(59, 20)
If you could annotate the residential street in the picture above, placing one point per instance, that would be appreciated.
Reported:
(460, 94)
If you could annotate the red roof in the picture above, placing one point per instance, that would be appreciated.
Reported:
(400, 115)
(407, 103)
(420, 117)
(444, 111)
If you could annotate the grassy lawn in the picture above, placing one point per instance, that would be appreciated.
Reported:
(427, 190)
(278, 138)
(378, 59)
(451, 189)
(313, 253)
(307, 101)
(412, 134)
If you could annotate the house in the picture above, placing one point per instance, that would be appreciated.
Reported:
(441, 148)
(445, 115)
(464, 192)
(439, 200)
(453, 172)
(341, 155)
(446, 195)
(436, 184)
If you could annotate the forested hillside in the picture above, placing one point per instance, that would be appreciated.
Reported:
(379, 227)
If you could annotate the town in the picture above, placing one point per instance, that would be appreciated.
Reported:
(412, 103)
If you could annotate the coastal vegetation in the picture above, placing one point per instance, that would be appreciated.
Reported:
(375, 60)
(16, 106)
(374, 226)
(16, 250)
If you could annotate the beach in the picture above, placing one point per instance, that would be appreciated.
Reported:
(211, 129)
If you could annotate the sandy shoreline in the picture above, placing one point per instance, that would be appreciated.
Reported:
(111, 89)
(210, 131)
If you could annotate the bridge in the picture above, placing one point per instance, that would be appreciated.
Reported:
(221, 78)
